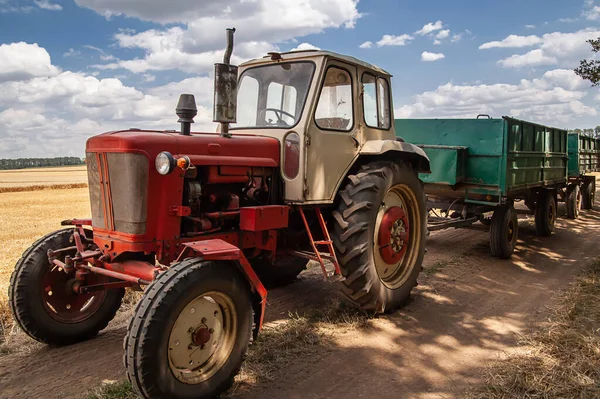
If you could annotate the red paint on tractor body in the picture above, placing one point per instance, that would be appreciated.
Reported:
(162, 234)
(216, 249)
(261, 218)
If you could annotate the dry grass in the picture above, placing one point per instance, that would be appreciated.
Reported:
(43, 176)
(302, 336)
(25, 216)
(19, 189)
(562, 359)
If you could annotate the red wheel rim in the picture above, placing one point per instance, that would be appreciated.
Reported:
(394, 233)
(64, 305)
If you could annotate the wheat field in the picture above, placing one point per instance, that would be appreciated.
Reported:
(12, 180)
(27, 215)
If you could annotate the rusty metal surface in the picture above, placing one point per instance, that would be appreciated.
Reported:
(225, 100)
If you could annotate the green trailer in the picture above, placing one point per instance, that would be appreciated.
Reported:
(584, 158)
(481, 167)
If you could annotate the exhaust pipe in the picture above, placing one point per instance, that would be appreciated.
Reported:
(225, 101)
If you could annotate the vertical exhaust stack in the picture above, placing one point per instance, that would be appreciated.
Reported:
(186, 111)
(225, 103)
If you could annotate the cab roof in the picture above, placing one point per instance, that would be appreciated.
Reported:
(291, 55)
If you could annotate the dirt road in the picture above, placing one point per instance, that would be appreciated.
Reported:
(467, 311)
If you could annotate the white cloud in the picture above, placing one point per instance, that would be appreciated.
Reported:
(513, 41)
(72, 53)
(443, 34)
(53, 115)
(22, 60)
(46, 5)
(431, 57)
(436, 42)
(391, 40)
(366, 45)
(557, 48)
(530, 26)
(256, 20)
(532, 58)
(592, 14)
(430, 27)
(195, 47)
(305, 46)
(554, 99)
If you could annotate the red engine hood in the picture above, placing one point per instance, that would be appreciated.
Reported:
(202, 148)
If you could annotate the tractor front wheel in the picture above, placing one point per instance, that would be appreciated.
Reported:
(379, 235)
(573, 201)
(190, 332)
(43, 302)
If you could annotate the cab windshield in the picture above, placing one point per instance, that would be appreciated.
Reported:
(273, 96)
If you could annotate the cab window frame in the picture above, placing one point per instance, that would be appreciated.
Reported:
(350, 128)
(377, 97)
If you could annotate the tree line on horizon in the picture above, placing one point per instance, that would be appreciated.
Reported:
(23, 163)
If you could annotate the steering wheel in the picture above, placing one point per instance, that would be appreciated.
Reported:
(279, 113)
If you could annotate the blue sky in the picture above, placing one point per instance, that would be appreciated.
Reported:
(73, 68)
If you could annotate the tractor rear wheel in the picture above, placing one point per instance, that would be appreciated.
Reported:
(545, 213)
(573, 201)
(589, 195)
(379, 234)
(283, 272)
(190, 332)
(43, 302)
(504, 232)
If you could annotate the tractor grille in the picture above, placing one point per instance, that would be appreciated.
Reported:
(118, 203)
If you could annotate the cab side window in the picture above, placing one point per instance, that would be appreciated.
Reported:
(376, 101)
(335, 108)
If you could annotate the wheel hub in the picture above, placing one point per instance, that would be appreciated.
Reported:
(202, 337)
(393, 235)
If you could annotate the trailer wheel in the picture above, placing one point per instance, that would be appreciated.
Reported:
(589, 195)
(190, 332)
(545, 213)
(42, 300)
(573, 201)
(379, 234)
(283, 272)
(504, 232)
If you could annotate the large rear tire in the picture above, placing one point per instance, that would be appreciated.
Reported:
(379, 234)
(283, 272)
(43, 303)
(545, 213)
(573, 201)
(589, 195)
(190, 332)
(504, 232)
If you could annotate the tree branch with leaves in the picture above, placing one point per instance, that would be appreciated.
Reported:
(590, 69)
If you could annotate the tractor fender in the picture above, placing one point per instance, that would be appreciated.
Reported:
(220, 250)
(403, 150)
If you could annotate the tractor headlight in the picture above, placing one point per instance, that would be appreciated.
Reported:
(165, 163)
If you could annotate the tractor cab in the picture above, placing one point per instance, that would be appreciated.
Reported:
(323, 106)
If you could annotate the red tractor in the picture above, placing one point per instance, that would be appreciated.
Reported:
(307, 168)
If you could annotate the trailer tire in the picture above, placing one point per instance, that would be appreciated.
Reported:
(36, 289)
(573, 201)
(588, 195)
(504, 232)
(283, 272)
(190, 332)
(545, 213)
(380, 246)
